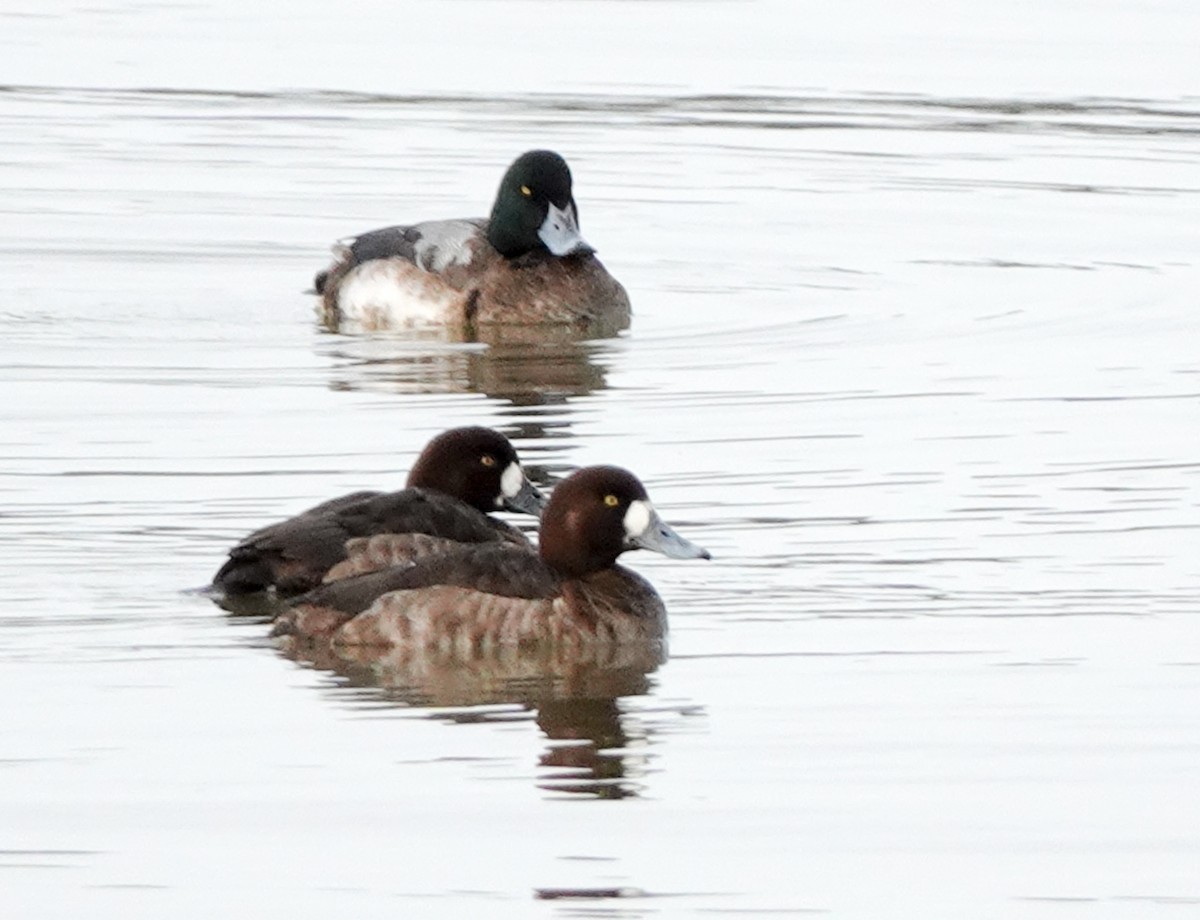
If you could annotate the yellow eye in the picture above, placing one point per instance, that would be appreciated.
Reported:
(487, 460)
(526, 191)
(612, 501)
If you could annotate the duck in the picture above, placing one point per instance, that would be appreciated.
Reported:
(461, 475)
(472, 600)
(525, 265)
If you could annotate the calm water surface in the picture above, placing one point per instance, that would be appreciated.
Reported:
(914, 355)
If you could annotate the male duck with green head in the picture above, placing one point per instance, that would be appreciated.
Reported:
(526, 265)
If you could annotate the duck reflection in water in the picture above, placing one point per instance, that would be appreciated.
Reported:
(597, 760)
(595, 749)
(536, 367)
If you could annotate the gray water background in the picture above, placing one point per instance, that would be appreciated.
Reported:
(915, 355)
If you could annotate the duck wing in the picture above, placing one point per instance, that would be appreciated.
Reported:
(433, 245)
(295, 554)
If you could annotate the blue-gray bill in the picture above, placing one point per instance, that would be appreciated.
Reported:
(660, 537)
(560, 232)
(528, 499)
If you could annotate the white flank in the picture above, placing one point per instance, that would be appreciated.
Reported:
(637, 518)
(381, 294)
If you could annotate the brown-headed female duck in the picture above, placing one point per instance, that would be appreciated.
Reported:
(472, 599)
(525, 265)
(461, 475)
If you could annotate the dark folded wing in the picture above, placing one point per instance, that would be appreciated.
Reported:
(506, 570)
(295, 554)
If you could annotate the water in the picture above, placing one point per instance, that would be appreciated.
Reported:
(914, 355)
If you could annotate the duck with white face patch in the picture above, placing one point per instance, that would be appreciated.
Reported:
(526, 264)
(570, 592)
(535, 210)
(460, 476)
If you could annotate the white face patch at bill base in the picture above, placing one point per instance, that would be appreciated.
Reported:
(637, 518)
(511, 481)
(560, 231)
